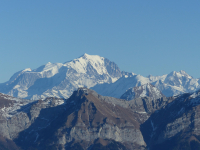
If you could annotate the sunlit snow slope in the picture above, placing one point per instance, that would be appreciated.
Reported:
(60, 80)
(91, 71)
(174, 83)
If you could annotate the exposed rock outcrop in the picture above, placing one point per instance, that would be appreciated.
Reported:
(81, 121)
(88, 121)
(175, 126)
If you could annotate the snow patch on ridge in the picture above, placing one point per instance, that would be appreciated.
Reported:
(146, 90)
(14, 106)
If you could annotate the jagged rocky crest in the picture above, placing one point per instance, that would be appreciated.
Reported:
(86, 120)
(175, 126)
(89, 121)
(145, 90)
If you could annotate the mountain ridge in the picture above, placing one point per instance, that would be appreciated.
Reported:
(91, 71)
(62, 79)
(145, 90)
(172, 84)
(88, 120)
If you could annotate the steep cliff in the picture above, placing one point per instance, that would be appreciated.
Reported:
(175, 126)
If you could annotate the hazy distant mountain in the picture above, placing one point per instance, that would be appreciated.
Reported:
(91, 71)
(172, 84)
(119, 87)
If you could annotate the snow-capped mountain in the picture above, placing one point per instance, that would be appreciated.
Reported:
(145, 90)
(174, 83)
(60, 80)
(88, 120)
(91, 71)
(119, 87)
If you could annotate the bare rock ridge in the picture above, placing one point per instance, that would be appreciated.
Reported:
(91, 71)
(89, 121)
(71, 116)
(175, 126)
(146, 98)
(145, 90)
(85, 120)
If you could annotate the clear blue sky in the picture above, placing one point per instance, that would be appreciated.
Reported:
(145, 37)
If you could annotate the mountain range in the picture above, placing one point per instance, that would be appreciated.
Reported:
(91, 71)
(52, 107)
(89, 121)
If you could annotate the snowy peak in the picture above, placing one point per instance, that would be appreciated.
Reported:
(180, 74)
(27, 69)
(91, 71)
(146, 90)
(60, 80)
(177, 78)
(82, 63)
(95, 65)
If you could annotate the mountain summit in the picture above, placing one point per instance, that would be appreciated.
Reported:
(60, 80)
(91, 71)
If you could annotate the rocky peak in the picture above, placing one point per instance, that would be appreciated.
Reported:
(9, 106)
(85, 56)
(175, 126)
(145, 90)
(78, 94)
(86, 121)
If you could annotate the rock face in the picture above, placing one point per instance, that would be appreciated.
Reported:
(175, 126)
(89, 121)
(18, 114)
(84, 119)
(146, 98)
(6, 144)
(145, 90)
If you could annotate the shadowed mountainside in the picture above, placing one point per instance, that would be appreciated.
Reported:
(90, 121)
